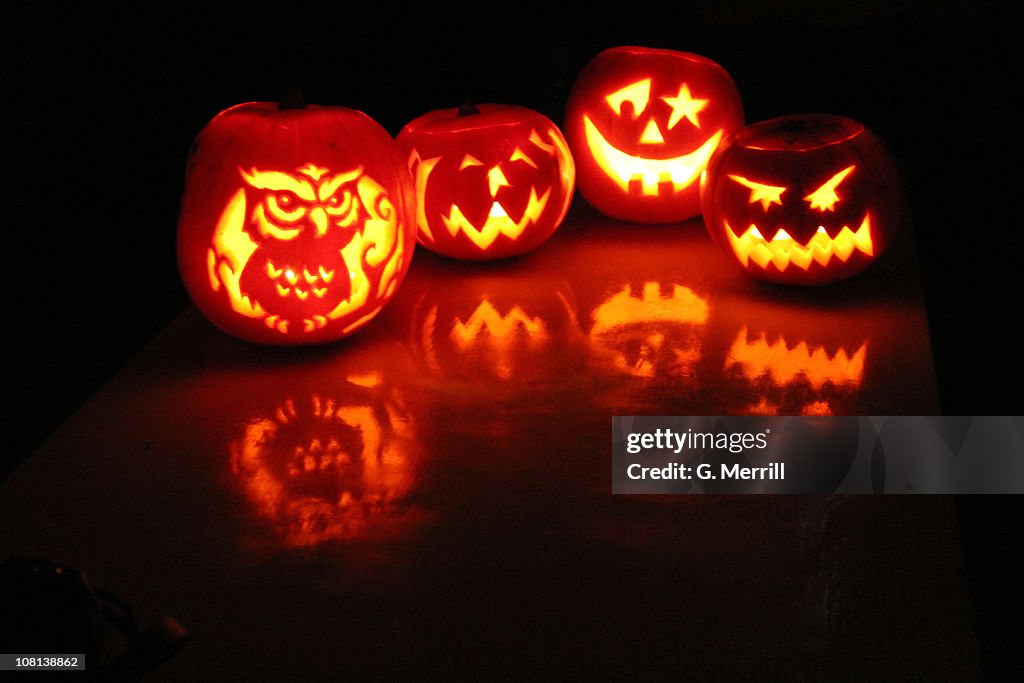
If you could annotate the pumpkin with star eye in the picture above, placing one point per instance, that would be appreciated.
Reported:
(642, 124)
(297, 223)
(492, 180)
(802, 199)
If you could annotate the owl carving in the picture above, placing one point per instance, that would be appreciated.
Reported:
(295, 248)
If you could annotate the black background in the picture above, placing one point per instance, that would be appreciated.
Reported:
(100, 107)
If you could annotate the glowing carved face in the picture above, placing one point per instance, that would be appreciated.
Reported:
(297, 224)
(802, 200)
(646, 174)
(322, 468)
(296, 249)
(780, 249)
(643, 124)
(492, 181)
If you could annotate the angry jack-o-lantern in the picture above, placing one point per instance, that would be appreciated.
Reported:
(802, 199)
(642, 124)
(297, 224)
(492, 180)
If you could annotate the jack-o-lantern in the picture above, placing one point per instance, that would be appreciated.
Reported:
(642, 124)
(802, 199)
(297, 224)
(492, 180)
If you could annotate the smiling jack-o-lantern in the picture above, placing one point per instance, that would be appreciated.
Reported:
(802, 199)
(492, 180)
(642, 124)
(297, 224)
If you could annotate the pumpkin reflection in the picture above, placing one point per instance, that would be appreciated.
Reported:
(485, 334)
(327, 467)
(649, 333)
(795, 379)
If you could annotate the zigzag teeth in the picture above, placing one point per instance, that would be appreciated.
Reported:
(782, 249)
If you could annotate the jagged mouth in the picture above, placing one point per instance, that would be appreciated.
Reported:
(784, 362)
(650, 175)
(781, 250)
(498, 221)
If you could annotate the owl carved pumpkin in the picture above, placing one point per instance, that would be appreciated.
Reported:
(805, 199)
(492, 180)
(296, 225)
(642, 124)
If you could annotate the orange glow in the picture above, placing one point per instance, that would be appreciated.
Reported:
(623, 308)
(324, 469)
(498, 222)
(679, 172)
(684, 106)
(783, 365)
(637, 94)
(502, 333)
(825, 197)
(759, 192)
(782, 250)
(650, 322)
(651, 134)
(304, 206)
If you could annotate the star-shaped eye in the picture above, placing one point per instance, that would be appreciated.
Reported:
(636, 94)
(684, 106)
(825, 197)
(760, 192)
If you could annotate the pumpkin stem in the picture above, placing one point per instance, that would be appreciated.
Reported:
(468, 109)
(292, 99)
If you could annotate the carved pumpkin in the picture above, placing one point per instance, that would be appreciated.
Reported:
(492, 180)
(642, 124)
(802, 199)
(326, 467)
(297, 224)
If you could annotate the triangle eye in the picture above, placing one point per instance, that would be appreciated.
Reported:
(825, 197)
(760, 192)
(470, 160)
(520, 155)
(636, 94)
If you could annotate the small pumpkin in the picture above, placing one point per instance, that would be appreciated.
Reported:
(492, 180)
(806, 199)
(642, 124)
(297, 223)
